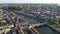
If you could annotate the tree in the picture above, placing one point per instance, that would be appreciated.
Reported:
(54, 21)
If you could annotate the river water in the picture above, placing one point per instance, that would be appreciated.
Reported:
(42, 30)
(45, 30)
(29, 20)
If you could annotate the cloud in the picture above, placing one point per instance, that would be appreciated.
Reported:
(29, 1)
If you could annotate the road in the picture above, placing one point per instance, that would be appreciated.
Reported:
(5, 28)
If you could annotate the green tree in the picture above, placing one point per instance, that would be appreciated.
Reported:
(54, 21)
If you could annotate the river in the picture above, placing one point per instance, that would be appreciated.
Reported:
(45, 30)
(42, 30)
(30, 20)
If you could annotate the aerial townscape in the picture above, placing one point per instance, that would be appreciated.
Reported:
(29, 19)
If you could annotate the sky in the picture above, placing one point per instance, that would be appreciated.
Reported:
(30, 1)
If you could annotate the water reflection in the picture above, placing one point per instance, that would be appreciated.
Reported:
(30, 20)
(45, 30)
